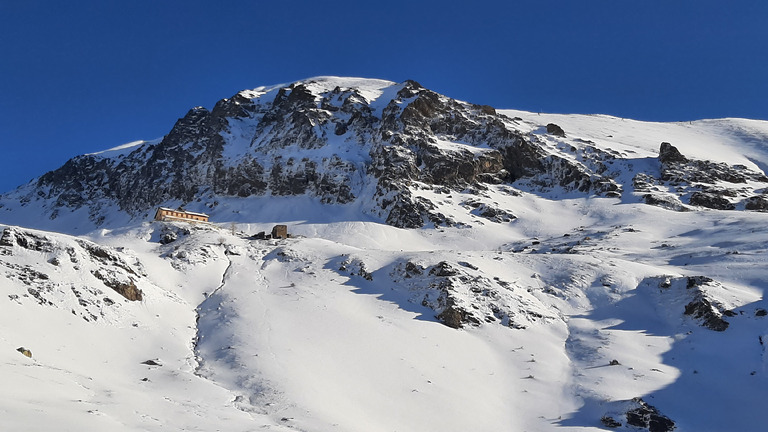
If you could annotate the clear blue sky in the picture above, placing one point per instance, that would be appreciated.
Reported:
(83, 76)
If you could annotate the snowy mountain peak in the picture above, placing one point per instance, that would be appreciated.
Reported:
(324, 84)
(387, 149)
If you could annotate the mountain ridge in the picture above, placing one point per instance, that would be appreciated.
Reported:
(376, 144)
(388, 144)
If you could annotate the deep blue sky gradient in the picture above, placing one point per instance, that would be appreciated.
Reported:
(79, 77)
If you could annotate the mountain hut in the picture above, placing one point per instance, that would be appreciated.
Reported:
(166, 214)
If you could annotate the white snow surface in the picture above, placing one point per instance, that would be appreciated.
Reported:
(124, 149)
(288, 335)
(369, 88)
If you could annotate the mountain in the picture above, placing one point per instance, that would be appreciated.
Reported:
(450, 267)
(372, 143)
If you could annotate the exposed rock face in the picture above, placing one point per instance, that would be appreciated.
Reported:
(666, 201)
(323, 139)
(26, 240)
(648, 417)
(711, 200)
(461, 295)
(693, 296)
(610, 422)
(170, 232)
(701, 308)
(707, 184)
(670, 154)
(126, 288)
(757, 203)
(636, 414)
(355, 267)
(95, 267)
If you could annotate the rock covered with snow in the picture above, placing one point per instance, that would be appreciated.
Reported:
(461, 294)
(637, 413)
(91, 280)
(699, 295)
(704, 183)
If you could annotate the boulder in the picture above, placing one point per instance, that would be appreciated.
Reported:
(556, 130)
(610, 422)
(666, 201)
(710, 200)
(443, 269)
(670, 154)
(757, 203)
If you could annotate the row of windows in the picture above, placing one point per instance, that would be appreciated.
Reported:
(182, 215)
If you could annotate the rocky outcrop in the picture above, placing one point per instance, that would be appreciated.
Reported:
(34, 262)
(457, 294)
(710, 316)
(648, 417)
(26, 240)
(125, 287)
(355, 267)
(708, 311)
(556, 130)
(461, 295)
(695, 297)
(667, 201)
(637, 414)
(711, 200)
(669, 154)
(706, 184)
(170, 232)
(757, 203)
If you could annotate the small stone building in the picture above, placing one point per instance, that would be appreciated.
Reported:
(166, 214)
(280, 232)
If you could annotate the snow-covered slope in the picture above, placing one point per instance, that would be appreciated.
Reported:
(451, 267)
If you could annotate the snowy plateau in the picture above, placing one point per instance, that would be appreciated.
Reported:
(450, 267)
